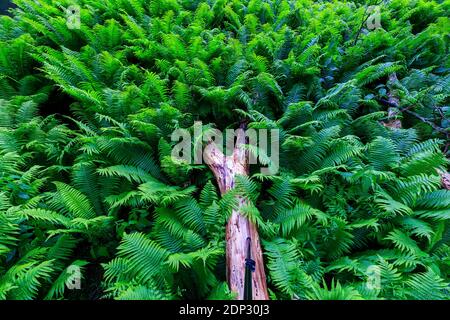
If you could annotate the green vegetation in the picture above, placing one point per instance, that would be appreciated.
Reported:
(86, 177)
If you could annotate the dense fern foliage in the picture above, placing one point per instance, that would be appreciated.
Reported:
(86, 177)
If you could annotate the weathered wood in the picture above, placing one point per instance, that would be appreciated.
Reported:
(394, 101)
(445, 179)
(239, 228)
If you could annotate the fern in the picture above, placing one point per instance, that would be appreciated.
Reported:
(87, 176)
(426, 286)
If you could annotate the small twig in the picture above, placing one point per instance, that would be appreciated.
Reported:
(430, 123)
(418, 116)
(364, 21)
(447, 145)
(394, 102)
(362, 24)
(387, 103)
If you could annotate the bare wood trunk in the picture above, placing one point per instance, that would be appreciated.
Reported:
(238, 228)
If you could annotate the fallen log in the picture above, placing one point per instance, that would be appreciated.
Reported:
(239, 228)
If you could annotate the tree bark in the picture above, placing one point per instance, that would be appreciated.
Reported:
(239, 228)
